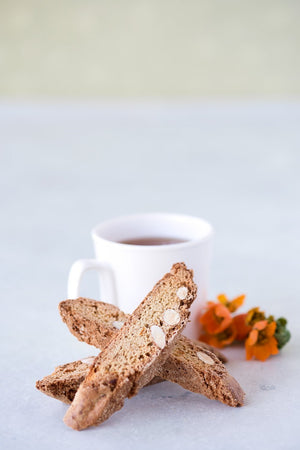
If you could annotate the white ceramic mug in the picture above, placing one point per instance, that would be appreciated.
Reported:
(128, 272)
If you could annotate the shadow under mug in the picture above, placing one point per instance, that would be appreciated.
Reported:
(127, 272)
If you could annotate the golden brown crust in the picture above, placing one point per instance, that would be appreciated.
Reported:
(209, 378)
(63, 383)
(91, 321)
(132, 357)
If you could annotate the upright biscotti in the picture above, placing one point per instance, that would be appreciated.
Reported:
(132, 357)
(96, 322)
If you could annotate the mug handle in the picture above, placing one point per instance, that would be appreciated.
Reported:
(107, 279)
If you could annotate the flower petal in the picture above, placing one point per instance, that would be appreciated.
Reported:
(273, 346)
(216, 319)
(209, 321)
(271, 329)
(261, 325)
(222, 299)
(222, 312)
(236, 303)
(261, 352)
(252, 339)
(249, 351)
(242, 329)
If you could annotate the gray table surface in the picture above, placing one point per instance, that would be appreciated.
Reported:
(66, 167)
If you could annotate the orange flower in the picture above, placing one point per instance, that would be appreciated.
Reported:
(232, 305)
(254, 315)
(242, 329)
(220, 340)
(216, 319)
(261, 342)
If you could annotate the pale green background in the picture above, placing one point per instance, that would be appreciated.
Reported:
(157, 48)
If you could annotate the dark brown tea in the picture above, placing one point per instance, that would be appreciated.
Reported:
(153, 241)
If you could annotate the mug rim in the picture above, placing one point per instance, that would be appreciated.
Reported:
(156, 215)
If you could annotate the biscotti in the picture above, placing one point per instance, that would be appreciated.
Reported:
(65, 380)
(131, 358)
(200, 371)
(96, 322)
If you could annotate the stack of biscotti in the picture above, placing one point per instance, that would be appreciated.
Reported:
(136, 350)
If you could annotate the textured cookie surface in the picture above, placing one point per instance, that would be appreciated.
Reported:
(200, 371)
(65, 380)
(96, 322)
(132, 356)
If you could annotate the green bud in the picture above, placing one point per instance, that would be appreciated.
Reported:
(282, 335)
